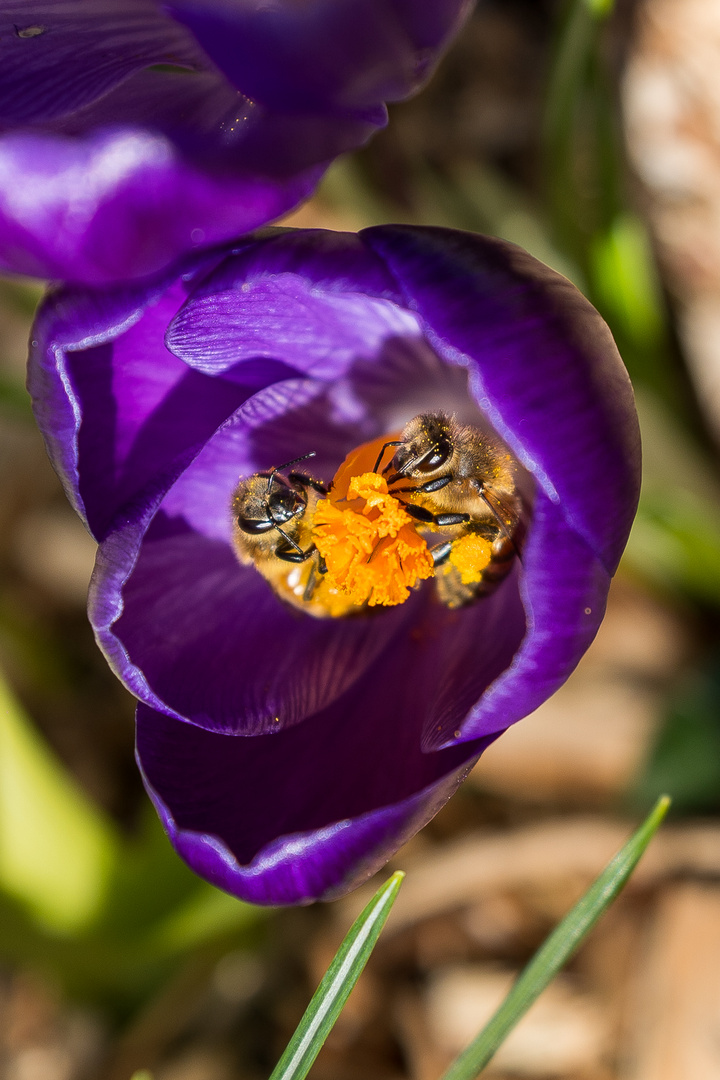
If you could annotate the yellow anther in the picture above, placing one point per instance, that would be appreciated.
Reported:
(369, 542)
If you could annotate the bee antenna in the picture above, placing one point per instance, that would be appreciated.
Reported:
(392, 442)
(279, 468)
(281, 531)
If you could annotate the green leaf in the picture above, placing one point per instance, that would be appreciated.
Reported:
(626, 280)
(685, 758)
(558, 948)
(675, 541)
(57, 850)
(338, 981)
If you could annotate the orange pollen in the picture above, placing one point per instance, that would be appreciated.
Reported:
(470, 555)
(369, 542)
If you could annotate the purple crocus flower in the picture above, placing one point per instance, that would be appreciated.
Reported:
(289, 756)
(132, 131)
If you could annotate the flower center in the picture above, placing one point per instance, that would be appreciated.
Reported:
(369, 543)
(334, 552)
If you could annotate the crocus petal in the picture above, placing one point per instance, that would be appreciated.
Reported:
(121, 204)
(123, 146)
(55, 58)
(345, 57)
(564, 590)
(314, 301)
(267, 819)
(107, 392)
(543, 367)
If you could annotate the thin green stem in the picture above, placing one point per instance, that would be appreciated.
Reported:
(558, 948)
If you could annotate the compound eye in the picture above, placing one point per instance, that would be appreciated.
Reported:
(255, 526)
(437, 456)
(285, 504)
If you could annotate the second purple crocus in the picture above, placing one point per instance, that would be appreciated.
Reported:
(132, 132)
(289, 756)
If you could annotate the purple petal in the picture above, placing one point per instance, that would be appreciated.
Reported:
(542, 365)
(564, 590)
(207, 639)
(316, 301)
(121, 204)
(309, 812)
(124, 147)
(108, 394)
(216, 645)
(321, 55)
(217, 129)
(55, 58)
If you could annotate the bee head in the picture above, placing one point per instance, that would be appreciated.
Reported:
(265, 501)
(426, 446)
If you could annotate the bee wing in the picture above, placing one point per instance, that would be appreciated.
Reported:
(508, 513)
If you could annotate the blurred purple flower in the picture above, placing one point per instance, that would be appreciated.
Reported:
(133, 131)
(288, 756)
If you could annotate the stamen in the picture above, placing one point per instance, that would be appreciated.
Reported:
(371, 547)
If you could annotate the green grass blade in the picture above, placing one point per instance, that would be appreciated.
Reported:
(338, 981)
(558, 948)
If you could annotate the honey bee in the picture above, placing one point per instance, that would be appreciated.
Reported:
(464, 485)
(272, 528)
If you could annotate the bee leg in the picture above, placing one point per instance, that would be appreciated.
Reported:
(311, 583)
(431, 485)
(440, 553)
(419, 513)
(451, 519)
(288, 554)
(308, 481)
(426, 516)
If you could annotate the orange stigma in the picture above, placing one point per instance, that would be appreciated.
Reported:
(369, 542)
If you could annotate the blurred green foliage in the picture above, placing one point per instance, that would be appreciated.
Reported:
(686, 755)
(56, 853)
(111, 917)
(675, 541)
